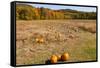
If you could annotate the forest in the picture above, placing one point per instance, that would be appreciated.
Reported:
(28, 12)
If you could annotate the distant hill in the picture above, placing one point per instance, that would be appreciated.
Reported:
(23, 5)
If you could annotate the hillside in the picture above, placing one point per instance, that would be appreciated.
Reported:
(28, 12)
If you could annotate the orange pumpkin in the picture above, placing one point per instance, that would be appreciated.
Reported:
(53, 59)
(58, 57)
(39, 40)
(65, 57)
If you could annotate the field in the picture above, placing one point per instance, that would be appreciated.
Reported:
(76, 37)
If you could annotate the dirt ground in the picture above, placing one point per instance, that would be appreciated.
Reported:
(76, 37)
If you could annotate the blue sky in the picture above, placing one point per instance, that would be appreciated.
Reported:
(56, 7)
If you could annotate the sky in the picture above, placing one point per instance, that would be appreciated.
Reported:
(56, 7)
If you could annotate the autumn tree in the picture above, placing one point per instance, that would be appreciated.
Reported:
(28, 12)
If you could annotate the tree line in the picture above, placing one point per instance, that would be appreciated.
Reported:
(28, 12)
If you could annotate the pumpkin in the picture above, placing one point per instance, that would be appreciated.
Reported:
(58, 57)
(53, 59)
(65, 57)
(39, 40)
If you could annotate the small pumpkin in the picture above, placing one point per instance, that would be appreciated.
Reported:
(39, 40)
(53, 59)
(65, 57)
(58, 57)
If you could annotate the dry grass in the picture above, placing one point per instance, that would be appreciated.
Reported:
(77, 37)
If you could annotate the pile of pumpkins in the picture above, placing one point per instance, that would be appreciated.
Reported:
(39, 40)
(56, 58)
